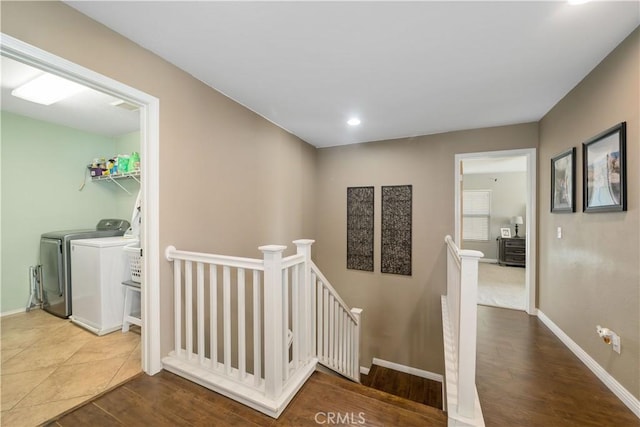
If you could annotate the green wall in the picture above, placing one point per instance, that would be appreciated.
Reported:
(42, 169)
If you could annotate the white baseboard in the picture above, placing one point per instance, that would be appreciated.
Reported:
(406, 369)
(488, 260)
(618, 389)
(364, 371)
(10, 312)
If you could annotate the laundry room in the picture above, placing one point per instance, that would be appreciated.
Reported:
(50, 157)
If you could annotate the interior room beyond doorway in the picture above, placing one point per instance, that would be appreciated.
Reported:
(494, 213)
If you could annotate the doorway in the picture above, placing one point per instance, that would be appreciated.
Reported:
(149, 164)
(505, 219)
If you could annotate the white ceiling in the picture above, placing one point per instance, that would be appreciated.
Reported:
(89, 110)
(405, 68)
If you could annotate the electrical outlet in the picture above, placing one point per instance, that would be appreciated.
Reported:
(559, 232)
(615, 342)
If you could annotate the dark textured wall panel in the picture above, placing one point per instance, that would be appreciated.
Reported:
(396, 229)
(360, 228)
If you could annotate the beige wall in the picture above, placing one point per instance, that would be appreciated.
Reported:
(591, 275)
(229, 182)
(402, 315)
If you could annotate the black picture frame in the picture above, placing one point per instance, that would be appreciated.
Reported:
(563, 182)
(604, 171)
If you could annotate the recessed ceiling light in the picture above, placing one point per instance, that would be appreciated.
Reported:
(47, 89)
(354, 121)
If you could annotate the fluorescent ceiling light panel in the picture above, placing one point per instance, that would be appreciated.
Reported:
(353, 121)
(47, 89)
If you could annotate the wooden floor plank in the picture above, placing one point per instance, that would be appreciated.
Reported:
(527, 377)
(168, 400)
(91, 415)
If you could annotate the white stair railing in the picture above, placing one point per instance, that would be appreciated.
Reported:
(459, 324)
(338, 328)
(247, 328)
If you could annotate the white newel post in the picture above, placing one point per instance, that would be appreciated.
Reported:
(356, 344)
(304, 305)
(273, 321)
(468, 327)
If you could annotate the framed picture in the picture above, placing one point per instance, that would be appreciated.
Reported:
(604, 171)
(563, 182)
(505, 232)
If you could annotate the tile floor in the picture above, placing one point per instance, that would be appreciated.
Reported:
(49, 365)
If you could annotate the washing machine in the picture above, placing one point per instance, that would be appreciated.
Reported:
(55, 262)
(98, 268)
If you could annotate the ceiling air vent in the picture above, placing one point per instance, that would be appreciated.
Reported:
(124, 105)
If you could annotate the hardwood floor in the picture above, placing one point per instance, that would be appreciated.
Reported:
(408, 386)
(168, 400)
(527, 377)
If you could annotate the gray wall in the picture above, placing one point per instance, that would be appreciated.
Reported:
(508, 199)
(591, 275)
(402, 315)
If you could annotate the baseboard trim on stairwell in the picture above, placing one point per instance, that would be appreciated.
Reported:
(618, 389)
(364, 371)
(406, 369)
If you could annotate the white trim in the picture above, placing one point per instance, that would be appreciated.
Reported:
(618, 389)
(16, 311)
(240, 392)
(408, 370)
(149, 149)
(530, 154)
(364, 371)
(488, 260)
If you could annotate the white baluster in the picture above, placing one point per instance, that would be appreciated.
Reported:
(213, 315)
(242, 351)
(177, 307)
(326, 325)
(332, 331)
(188, 303)
(226, 313)
(257, 330)
(285, 321)
(200, 310)
(314, 350)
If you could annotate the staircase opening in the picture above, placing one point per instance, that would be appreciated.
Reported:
(401, 384)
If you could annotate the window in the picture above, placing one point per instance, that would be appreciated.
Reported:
(476, 205)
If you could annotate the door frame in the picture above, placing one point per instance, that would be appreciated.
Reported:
(149, 107)
(531, 210)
